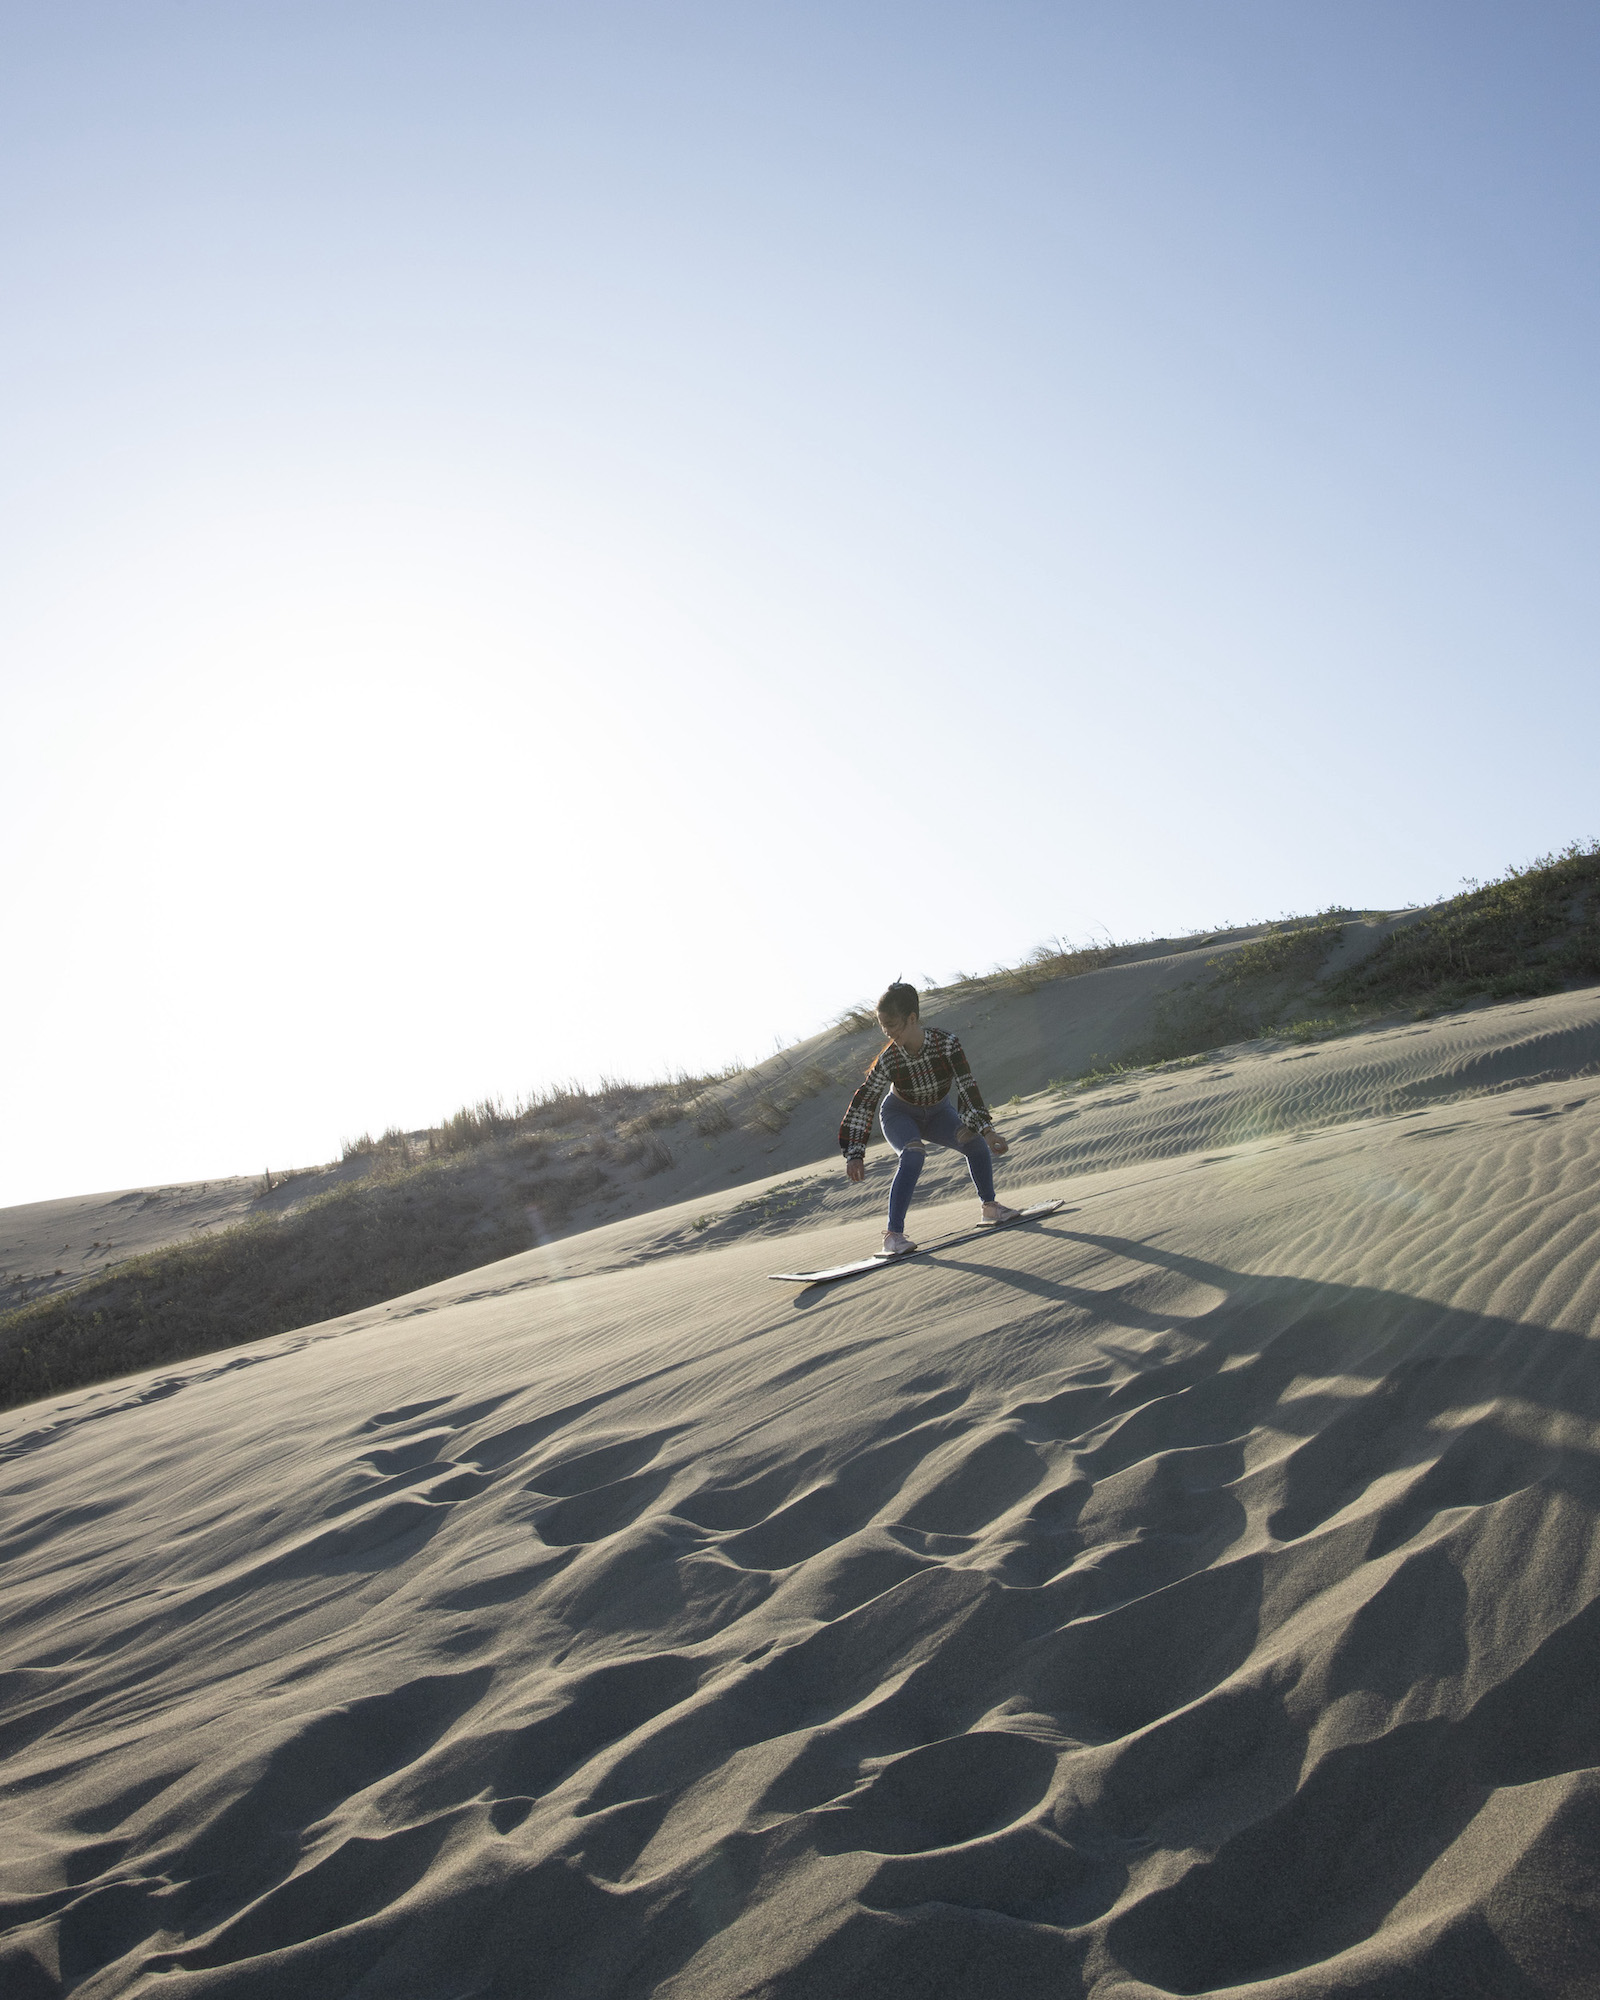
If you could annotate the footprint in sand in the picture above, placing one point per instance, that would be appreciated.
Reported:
(600, 1490)
(940, 1795)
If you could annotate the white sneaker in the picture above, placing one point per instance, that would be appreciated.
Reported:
(896, 1243)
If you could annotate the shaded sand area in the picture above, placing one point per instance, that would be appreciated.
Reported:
(1196, 1592)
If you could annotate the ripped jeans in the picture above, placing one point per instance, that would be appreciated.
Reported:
(909, 1128)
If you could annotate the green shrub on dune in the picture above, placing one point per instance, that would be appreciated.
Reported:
(1533, 931)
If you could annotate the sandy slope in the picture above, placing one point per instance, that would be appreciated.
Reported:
(1018, 1039)
(1197, 1592)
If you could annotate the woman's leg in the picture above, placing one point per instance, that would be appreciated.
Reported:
(905, 1135)
(945, 1128)
(980, 1164)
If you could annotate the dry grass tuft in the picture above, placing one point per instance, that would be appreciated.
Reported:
(1058, 959)
(395, 1148)
(711, 1116)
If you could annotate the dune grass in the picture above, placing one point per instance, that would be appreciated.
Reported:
(1295, 950)
(1057, 959)
(1244, 994)
(1322, 1027)
(350, 1246)
(629, 1108)
(1533, 930)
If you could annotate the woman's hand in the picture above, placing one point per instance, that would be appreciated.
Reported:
(855, 1170)
(998, 1143)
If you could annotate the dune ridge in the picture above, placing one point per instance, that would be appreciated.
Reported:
(1197, 1592)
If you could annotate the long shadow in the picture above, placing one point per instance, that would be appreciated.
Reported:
(1104, 1305)
(814, 1292)
(1469, 1653)
(1427, 1362)
(1463, 1657)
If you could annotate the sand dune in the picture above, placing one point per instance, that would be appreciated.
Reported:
(1025, 1038)
(50, 1246)
(1198, 1592)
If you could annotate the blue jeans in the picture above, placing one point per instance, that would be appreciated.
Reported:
(909, 1128)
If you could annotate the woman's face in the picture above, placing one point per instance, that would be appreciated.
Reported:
(901, 1030)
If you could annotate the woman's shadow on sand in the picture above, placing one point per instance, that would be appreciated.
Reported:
(1371, 1413)
(1408, 1369)
(1421, 1406)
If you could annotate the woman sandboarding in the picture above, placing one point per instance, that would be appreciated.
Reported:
(911, 1078)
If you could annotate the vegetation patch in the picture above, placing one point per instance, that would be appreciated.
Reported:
(1101, 1069)
(1058, 959)
(1534, 930)
(653, 1155)
(711, 1116)
(1296, 952)
(1246, 992)
(780, 1203)
(352, 1246)
(1323, 1026)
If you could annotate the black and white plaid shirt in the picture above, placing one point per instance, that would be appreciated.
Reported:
(922, 1080)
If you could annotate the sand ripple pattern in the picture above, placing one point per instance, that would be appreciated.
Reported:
(1264, 1090)
(1200, 1594)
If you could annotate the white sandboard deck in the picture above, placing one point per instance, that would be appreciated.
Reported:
(838, 1271)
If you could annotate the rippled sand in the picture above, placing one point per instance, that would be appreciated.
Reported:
(1198, 1591)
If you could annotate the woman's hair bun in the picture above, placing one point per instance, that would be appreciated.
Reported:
(899, 1001)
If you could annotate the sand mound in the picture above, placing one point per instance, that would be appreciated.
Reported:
(779, 1115)
(1196, 1592)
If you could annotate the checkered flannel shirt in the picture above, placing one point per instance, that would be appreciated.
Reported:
(922, 1080)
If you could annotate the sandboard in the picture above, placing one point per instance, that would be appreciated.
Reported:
(876, 1263)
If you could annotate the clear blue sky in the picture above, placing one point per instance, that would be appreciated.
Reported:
(542, 540)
